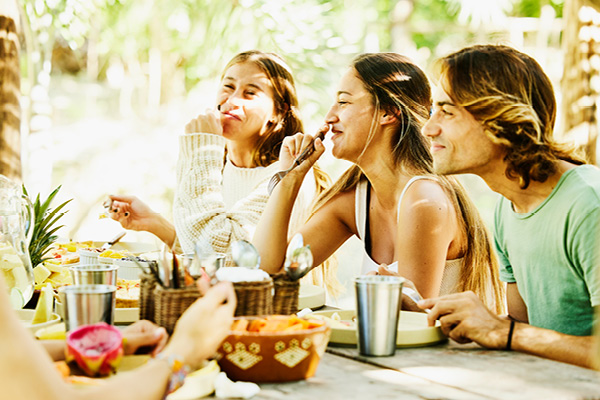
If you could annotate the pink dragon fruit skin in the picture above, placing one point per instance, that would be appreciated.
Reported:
(97, 349)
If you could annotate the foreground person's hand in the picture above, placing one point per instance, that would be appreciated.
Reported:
(464, 318)
(144, 334)
(203, 326)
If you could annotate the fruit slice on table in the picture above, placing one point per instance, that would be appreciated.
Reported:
(97, 349)
(41, 273)
(16, 298)
(45, 305)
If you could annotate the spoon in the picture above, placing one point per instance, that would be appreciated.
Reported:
(244, 254)
(414, 296)
(298, 258)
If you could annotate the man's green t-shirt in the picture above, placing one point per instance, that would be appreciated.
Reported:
(553, 253)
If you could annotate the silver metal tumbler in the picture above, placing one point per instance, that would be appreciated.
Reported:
(94, 274)
(87, 304)
(378, 303)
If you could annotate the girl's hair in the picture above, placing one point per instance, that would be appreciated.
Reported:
(509, 93)
(287, 120)
(400, 88)
(287, 123)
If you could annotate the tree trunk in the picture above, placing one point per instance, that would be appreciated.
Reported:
(10, 93)
(580, 83)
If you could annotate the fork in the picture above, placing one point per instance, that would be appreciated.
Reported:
(307, 152)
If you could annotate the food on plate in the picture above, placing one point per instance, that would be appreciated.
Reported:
(60, 256)
(97, 349)
(274, 323)
(45, 305)
(128, 293)
(335, 321)
(75, 246)
(114, 254)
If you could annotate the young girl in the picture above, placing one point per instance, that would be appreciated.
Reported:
(227, 156)
(412, 222)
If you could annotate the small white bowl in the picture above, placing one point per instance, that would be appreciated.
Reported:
(88, 256)
(129, 269)
(26, 316)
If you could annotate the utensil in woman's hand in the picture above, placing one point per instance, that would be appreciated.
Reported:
(245, 254)
(164, 267)
(307, 152)
(413, 295)
(298, 258)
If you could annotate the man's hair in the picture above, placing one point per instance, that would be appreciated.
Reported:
(509, 93)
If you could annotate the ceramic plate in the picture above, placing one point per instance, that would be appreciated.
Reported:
(412, 329)
(311, 296)
(126, 315)
(26, 316)
(132, 247)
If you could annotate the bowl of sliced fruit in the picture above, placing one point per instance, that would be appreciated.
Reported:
(275, 348)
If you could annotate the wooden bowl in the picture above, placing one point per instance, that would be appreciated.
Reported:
(273, 356)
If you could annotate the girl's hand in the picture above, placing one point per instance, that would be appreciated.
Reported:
(209, 122)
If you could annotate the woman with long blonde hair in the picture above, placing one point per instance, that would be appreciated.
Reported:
(412, 223)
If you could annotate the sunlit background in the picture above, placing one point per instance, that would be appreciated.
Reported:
(108, 85)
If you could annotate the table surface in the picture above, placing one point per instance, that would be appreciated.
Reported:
(443, 371)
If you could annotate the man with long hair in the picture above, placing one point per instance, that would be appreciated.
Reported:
(493, 116)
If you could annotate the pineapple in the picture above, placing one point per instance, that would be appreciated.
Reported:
(43, 228)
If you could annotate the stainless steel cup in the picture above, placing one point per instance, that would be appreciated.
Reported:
(87, 304)
(378, 303)
(94, 274)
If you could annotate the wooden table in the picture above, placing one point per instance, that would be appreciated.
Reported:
(444, 371)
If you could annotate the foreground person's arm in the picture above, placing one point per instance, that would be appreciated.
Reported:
(27, 371)
(465, 319)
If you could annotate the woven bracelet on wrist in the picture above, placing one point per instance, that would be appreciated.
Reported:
(178, 372)
(510, 334)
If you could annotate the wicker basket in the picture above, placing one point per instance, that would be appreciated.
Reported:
(285, 299)
(147, 284)
(254, 298)
(169, 304)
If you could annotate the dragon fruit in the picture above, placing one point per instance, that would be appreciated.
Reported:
(97, 349)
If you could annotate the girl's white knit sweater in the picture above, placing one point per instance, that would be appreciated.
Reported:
(222, 203)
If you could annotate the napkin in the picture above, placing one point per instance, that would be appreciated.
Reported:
(226, 388)
(241, 274)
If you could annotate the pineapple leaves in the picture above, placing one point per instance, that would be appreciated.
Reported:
(44, 228)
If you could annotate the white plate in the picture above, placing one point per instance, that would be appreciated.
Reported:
(413, 330)
(26, 316)
(311, 296)
(135, 248)
(126, 315)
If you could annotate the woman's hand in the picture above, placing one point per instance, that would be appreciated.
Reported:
(209, 122)
(134, 214)
(408, 303)
(144, 334)
(293, 146)
(204, 325)
(131, 212)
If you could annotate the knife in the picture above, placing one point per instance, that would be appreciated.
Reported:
(111, 242)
